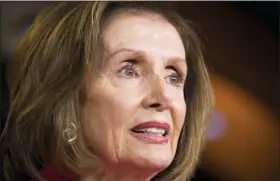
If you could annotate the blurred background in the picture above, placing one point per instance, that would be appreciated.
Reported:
(242, 52)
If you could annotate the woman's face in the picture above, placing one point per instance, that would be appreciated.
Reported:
(135, 108)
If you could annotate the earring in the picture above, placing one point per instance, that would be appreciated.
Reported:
(70, 133)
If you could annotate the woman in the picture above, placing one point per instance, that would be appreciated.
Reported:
(107, 91)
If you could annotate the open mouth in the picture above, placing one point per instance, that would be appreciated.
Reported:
(153, 131)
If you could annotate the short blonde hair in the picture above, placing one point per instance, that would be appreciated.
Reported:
(50, 69)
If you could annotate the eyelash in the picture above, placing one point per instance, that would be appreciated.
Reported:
(179, 75)
(129, 65)
(132, 64)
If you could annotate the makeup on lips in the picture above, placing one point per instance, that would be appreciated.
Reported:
(155, 132)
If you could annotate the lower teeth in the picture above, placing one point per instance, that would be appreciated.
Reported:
(148, 132)
(158, 134)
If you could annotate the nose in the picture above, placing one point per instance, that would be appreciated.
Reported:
(157, 96)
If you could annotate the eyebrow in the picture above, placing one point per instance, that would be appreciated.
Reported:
(138, 53)
(141, 54)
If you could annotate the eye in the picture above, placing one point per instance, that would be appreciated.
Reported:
(128, 70)
(176, 78)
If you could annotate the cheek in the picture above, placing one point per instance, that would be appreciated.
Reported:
(102, 117)
(108, 114)
(100, 113)
(108, 111)
(179, 114)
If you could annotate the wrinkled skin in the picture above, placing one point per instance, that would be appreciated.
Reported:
(142, 80)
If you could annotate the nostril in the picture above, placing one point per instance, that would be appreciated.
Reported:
(156, 105)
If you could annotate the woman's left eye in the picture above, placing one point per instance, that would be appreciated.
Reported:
(175, 79)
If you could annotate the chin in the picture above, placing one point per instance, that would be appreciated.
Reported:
(154, 158)
(142, 154)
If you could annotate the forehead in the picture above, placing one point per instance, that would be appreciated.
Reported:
(143, 32)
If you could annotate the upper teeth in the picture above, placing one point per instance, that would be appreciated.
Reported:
(152, 130)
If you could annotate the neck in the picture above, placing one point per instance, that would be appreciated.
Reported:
(123, 174)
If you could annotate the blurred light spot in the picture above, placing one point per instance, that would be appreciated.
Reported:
(216, 127)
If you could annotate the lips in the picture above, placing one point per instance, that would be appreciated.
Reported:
(152, 132)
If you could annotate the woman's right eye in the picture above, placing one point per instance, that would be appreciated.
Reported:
(128, 71)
